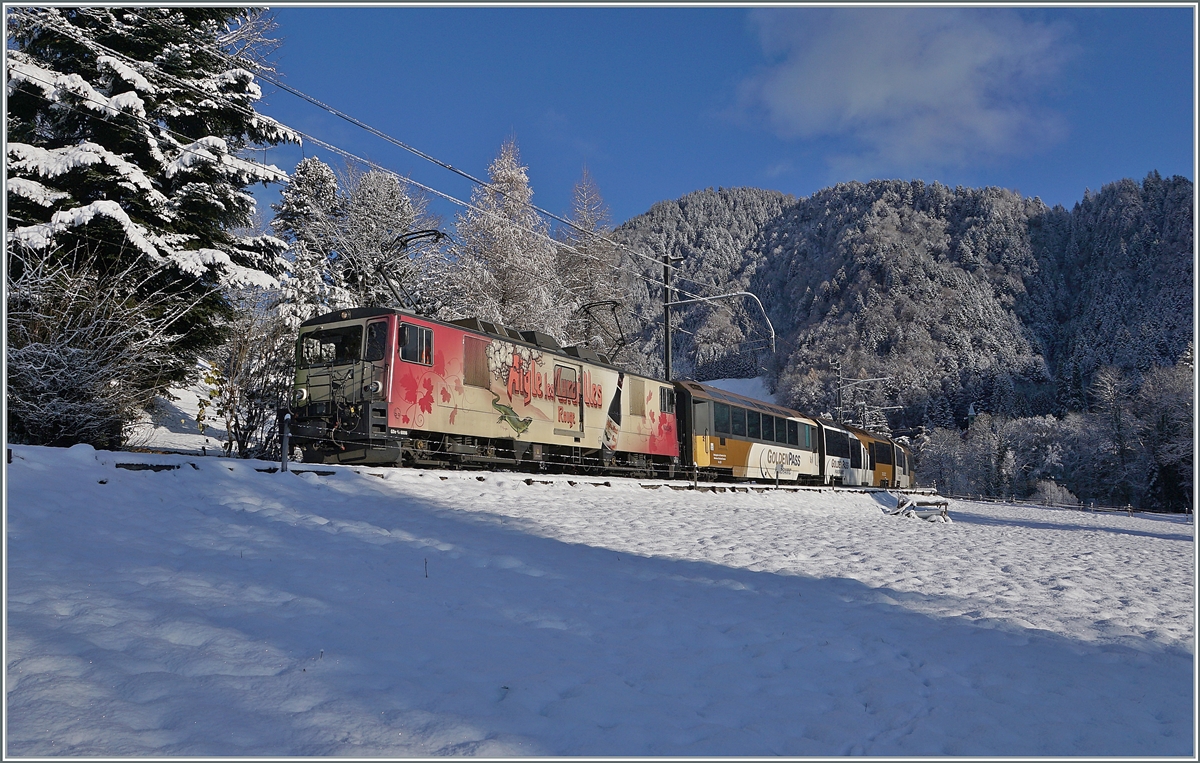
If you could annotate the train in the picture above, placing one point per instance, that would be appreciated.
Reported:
(378, 385)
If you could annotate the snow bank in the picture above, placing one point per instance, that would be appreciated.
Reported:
(214, 609)
(755, 388)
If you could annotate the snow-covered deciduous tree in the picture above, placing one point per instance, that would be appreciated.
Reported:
(347, 240)
(1117, 439)
(369, 243)
(250, 375)
(128, 135)
(1163, 407)
(506, 268)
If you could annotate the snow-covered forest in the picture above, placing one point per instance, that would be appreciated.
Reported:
(1020, 349)
(1017, 344)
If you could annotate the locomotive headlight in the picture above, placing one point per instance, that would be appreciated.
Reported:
(300, 395)
(374, 388)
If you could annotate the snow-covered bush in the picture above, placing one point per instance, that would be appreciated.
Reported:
(89, 348)
(1050, 493)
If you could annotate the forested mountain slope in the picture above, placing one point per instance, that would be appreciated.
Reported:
(963, 297)
(1022, 348)
(715, 234)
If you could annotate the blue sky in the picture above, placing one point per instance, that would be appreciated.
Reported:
(659, 102)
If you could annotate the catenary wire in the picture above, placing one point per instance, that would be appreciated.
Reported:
(65, 27)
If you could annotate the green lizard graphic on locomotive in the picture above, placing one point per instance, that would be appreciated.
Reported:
(384, 386)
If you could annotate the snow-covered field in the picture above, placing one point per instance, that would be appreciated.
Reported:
(218, 610)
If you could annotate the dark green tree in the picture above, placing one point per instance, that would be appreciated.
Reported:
(128, 138)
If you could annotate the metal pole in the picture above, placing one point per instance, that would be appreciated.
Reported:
(285, 446)
(667, 315)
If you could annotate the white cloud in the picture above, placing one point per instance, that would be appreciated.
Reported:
(909, 87)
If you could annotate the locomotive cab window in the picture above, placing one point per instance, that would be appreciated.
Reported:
(666, 400)
(334, 347)
(416, 344)
(376, 341)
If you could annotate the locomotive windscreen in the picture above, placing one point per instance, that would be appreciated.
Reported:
(335, 346)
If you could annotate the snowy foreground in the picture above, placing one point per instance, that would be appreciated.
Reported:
(219, 610)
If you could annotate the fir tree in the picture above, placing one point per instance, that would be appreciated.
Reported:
(127, 134)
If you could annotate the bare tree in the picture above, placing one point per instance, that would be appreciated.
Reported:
(251, 374)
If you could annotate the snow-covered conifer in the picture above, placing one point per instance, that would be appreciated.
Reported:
(128, 133)
(587, 268)
(347, 240)
(506, 269)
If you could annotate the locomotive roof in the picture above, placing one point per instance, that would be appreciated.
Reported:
(536, 339)
(350, 314)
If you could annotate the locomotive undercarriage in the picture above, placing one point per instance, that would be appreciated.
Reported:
(359, 435)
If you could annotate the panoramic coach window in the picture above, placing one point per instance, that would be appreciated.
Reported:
(331, 347)
(376, 341)
(837, 444)
(883, 453)
(416, 344)
(475, 367)
(738, 421)
(768, 427)
(781, 435)
(793, 432)
(753, 424)
(721, 418)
